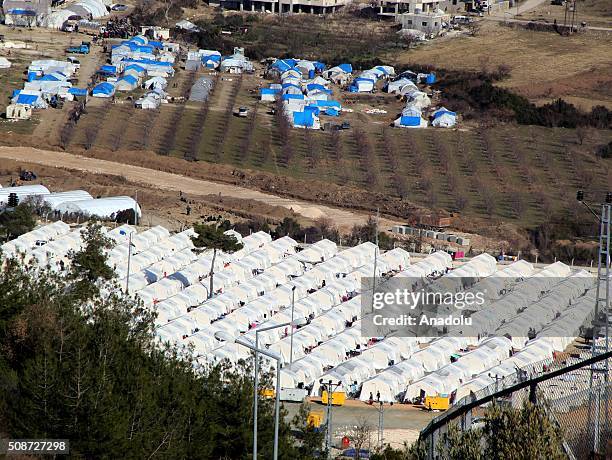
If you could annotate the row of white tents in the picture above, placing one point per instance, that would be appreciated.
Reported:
(527, 316)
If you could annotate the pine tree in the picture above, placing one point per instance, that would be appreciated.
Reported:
(213, 237)
(17, 221)
(13, 200)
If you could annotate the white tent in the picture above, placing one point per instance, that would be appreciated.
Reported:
(101, 207)
(4, 63)
(22, 192)
(53, 200)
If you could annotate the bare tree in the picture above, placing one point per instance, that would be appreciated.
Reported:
(362, 436)
(581, 134)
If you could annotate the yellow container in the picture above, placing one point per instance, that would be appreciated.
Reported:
(315, 418)
(267, 393)
(437, 402)
(338, 398)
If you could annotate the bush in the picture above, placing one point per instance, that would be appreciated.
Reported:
(605, 150)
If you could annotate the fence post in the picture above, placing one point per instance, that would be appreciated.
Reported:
(533, 393)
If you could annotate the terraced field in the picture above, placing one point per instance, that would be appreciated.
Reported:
(518, 173)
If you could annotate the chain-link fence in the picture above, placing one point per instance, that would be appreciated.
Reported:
(576, 393)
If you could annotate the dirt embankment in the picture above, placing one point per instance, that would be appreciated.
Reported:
(177, 181)
(308, 190)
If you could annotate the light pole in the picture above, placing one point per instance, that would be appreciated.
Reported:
(256, 392)
(222, 335)
(329, 388)
(291, 339)
(127, 278)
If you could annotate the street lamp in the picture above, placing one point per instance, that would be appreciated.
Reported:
(292, 310)
(330, 386)
(222, 335)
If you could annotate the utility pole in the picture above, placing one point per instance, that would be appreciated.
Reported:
(292, 311)
(375, 257)
(329, 387)
(127, 278)
(601, 320)
(381, 424)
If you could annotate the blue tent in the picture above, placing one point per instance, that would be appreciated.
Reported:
(31, 76)
(292, 96)
(284, 64)
(382, 69)
(22, 12)
(130, 79)
(319, 66)
(27, 99)
(441, 112)
(138, 39)
(348, 68)
(406, 120)
(149, 62)
(156, 44)
(104, 88)
(287, 85)
(77, 91)
(305, 119)
(431, 78)
(317, 87)
(49, 78)
(269, 91)
(15, 93)
(135, 67)
(332, 112)
(312, 109)
(109, 69)
(333, 104)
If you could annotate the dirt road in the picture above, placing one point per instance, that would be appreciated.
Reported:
(167, 181)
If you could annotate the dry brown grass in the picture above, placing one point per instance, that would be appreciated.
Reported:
(543, 65)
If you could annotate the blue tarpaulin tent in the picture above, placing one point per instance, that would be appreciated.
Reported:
(27, 99)
(135, 67)
(348, 68)
(284, 64)
(333, 104)
(319, 66)
(431, 78)
(148, 62)
(317, 87)
(49, 78)
(269, 91)
(332, 112)
(287, 85)
(104, 89)
(31, 76)
(108, 69)
(78, 91)
(304, 119)
(292, 96)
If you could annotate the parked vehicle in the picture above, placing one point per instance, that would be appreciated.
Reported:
(83, 48)
(74, 61)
